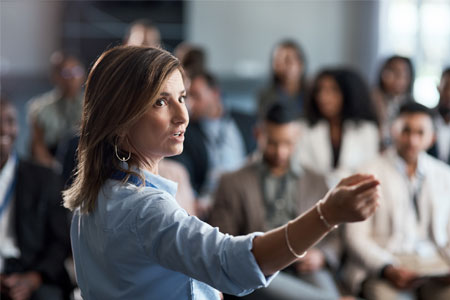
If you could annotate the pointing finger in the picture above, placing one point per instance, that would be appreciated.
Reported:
(365, 185)
(354, 179)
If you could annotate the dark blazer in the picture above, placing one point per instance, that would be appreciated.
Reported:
(41, 225)
(195, 154)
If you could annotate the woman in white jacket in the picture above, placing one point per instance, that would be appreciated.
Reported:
(341, 132)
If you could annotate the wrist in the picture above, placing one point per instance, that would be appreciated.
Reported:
(288, 243)
(325, 215)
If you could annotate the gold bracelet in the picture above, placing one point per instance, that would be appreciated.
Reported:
(289, 244)
(319, 211)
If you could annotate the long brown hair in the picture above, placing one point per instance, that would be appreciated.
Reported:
(122, 85)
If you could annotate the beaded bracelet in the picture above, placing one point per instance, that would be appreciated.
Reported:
(289, 244)
(319, 211)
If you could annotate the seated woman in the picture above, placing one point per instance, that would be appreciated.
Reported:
(341, 132)
(395, 86)
(130, 238)
(288, 82)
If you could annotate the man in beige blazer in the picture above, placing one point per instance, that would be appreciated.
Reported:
(267, 192)
(403, 250)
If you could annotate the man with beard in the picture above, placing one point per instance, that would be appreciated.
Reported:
(270, 190)
(403, 250)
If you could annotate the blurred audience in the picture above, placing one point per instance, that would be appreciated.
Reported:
(395, 87)
(288, 77)
(217, 140)
(341, 132)
(34, 233)
(143, 33)
(441, 149)
(402, 251)
(55, 115)
(269, 191)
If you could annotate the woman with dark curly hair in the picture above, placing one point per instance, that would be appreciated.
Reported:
(342, 131)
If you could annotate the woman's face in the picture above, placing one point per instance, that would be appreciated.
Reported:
(329, 97)
(286, 64)
(160, 131)
(396, 77)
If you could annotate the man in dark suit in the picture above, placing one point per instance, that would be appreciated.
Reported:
(217, 140)
(34, 239)
(441, 149)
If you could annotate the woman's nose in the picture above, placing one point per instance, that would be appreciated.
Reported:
(180, 114)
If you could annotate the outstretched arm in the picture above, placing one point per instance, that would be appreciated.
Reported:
(354, 199)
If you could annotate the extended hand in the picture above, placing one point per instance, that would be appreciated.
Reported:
(354, 199)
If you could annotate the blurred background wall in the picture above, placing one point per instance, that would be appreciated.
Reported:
(241, 35)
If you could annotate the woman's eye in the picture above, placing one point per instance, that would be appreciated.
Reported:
(160, 102)
(182, 99)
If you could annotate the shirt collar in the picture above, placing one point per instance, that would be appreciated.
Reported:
(400, 164)
(7, 174)
(8, 169)
(159, 182)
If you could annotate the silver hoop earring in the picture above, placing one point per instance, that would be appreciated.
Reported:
(123, 159)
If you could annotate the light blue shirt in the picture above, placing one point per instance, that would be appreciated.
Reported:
(140, 244)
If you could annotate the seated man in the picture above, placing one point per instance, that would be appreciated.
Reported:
(270, 191)
(34, 231)
(402, 251)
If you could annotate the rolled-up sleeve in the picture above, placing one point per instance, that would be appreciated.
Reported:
(188, 245)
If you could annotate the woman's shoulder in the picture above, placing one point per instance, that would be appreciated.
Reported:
(123, 203)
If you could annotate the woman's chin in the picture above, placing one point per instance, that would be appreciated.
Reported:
(175, 152)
